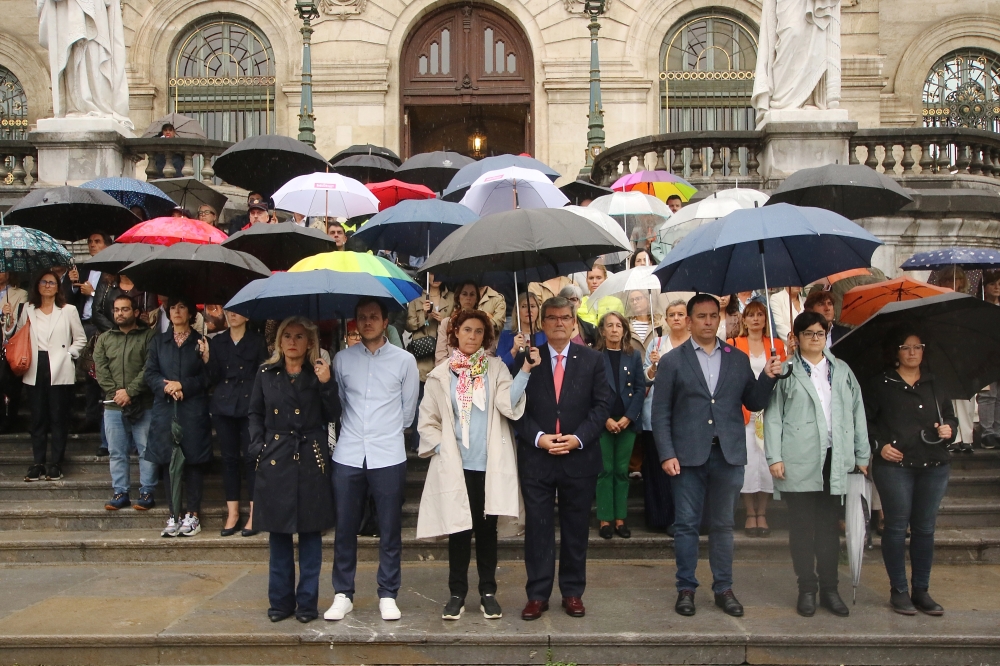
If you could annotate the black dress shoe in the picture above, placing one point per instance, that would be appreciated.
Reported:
(229, 531)
(806, 605)
(923, 602)
(685, 603)
(901, 603)
(249, 533)
(729, 604)
(830, 600)
(671, 530)
(277, 615)
(606, 531)
(623, 531)
(306, 617)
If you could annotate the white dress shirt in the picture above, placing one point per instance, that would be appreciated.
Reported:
(94, 279)
(819, 374)
(554, 357)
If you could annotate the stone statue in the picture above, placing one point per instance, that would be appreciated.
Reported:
(798, 56)
(86, 44)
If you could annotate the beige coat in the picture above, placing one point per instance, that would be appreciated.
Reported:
(421, 326)
(444, 505)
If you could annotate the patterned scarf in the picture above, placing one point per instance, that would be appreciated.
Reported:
(471, 388)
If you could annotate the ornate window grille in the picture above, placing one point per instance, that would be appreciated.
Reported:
(963, 90)
(13, 107)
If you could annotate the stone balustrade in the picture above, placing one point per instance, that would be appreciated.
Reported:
(927, 151)
(18, 165)
(177, 158)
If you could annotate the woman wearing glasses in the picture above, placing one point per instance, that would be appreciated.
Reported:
(909, 429)
(815, 434)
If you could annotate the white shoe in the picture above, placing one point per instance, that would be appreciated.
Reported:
(171, 529)
(190, 526)
(341, 607)
(388, 608)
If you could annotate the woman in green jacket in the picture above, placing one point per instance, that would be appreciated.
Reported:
(815, 433)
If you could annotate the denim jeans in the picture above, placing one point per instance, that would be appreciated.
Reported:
(281, 591)
(723, 483)
(122, 434)
(910, 496)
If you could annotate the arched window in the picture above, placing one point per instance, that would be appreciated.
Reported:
(708, 62)
(13, 107)
(963, 90)
(222, 73)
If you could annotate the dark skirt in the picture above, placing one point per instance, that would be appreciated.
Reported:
(658, 500)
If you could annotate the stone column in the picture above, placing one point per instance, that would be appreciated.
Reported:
(72, 151)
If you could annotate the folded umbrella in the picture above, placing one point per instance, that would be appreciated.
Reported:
(366, 149)
(391, 192)
(204, 273)
(435, 169)
(280, 246)
(170, 230)
(510, 188)
(190, 193)
(264, 163)
(185, 127)
(131, 192)
(366, 168)
(414, 227)
(26, 250)
(660, 184)
(852, 190)
(863, 301)
(471, 172)
(857, 518)
(117, 256)
(71, 213)
(326, 195)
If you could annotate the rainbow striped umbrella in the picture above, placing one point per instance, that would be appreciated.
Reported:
(659, 184)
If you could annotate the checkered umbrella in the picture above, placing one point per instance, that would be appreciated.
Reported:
(26, 250)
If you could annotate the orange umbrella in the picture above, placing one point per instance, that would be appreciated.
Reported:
(865, 301)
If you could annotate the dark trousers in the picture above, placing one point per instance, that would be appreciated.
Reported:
(351, 487)
(814, 535)
(460, 543)
(193, 480)
(723, 483)
(659, 502)
(234, 440)
(11, 388)
(910, 496)
(281, 591)
(49, 414)
(576, 496)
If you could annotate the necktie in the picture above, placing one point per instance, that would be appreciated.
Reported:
(557, 379)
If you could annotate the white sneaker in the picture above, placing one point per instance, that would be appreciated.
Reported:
(189, 526)
(341, 607)
(388, 608)
(171, 529)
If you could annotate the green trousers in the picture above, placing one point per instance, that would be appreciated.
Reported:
(612, 483)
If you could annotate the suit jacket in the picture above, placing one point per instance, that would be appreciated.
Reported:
(839, 331)
(630, 384)
(685, 416)
(582, 409)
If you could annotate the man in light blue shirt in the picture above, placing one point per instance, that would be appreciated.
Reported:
(378, 385)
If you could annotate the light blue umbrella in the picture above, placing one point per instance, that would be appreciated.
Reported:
(131, 192)
(414, 227)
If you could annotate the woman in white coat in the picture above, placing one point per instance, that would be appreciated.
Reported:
(472, 478)
(57, 339)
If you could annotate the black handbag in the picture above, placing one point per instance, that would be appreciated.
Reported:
(422, 347)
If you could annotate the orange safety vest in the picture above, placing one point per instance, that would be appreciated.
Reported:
(743, 344)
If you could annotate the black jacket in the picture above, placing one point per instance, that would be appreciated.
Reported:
(582, 410)
(165, 360)
(898, 412)
(232, 370)
(288, 438)
(102, 308)
(629, 381)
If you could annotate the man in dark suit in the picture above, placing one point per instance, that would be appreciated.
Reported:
(568, 400)
(822, 302)
(701, 440)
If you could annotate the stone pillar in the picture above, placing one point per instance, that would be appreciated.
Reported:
(800, 139)
(72, 151)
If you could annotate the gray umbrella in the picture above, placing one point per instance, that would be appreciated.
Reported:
(117, 256)
(435, 170)
(857, 515)
(190, 193)
(366, 168)
(71, 213)
(853, 190)
(366, 149)
(185, 126)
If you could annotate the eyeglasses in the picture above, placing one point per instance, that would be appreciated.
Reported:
(813, 335)
(353, 335)
(574, 299)
(205, 213)
(907, 349)
(47, 283)
(565, 319)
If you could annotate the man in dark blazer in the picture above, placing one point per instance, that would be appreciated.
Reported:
(701, 440)
(568, 400)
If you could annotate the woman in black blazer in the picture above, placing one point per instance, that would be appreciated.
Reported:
(623, 368)
(234, 356)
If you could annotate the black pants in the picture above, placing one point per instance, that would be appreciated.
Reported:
(49, 414)
(814, 535)
(460, 543)
(281, 590)
(576, 496)
(659, 501)
(10, 387)
(193, 484)
(234, 440)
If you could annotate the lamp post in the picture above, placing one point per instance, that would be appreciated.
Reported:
(307, 12)
(595, 124)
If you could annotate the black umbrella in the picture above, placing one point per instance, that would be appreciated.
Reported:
(71, 213)
(366, 168)
(435, 170)
(853, 190)
(265, 163)
(581, 190)
(203, 273)
(280, 246)
(956, 328)
(190, 193)
(366, 149)
(117, 256)
(185, 127)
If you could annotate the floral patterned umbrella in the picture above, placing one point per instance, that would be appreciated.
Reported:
(26, 250)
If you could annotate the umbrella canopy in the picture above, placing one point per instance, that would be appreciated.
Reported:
(348, 263)
(190, 193)
(414, 227)
(510, 188)
(391, 192)
(862, 302)
(534, 244)
(660, 184)
(693, 216)
(26, 250)
(853, 190)
(966, 257)
(71, 213)
(366, 149)
(170, 230)
(800, 245)
(578, 191)
(747, 197)
(366, 168)
(610, 225)
(955, 328)
(639, 278)
(434, 170)
(280, 246)
(131, 192)
(630, 203)
(185, 126)
(852, 273)
(117, 256)
(326, 195)
(264, 163)
(204, 273)
(858, 515)
(471, 172)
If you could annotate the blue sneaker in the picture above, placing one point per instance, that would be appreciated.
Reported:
(144, 503)
(119, 501)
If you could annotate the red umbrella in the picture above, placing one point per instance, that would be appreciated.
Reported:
(170, 230)
(391, 192)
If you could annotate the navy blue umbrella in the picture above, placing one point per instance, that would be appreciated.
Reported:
(414, 227)
(966, 257)
(131, 192)
(469, 173)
